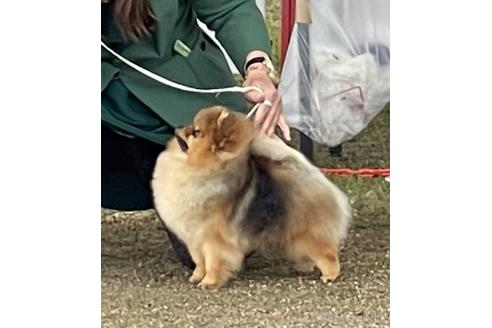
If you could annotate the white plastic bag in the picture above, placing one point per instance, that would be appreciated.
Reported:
(336, 75)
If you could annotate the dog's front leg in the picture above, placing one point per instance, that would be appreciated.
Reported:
(220, 250)
(199, 260)
(222, 259)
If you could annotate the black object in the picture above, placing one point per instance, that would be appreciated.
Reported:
(180, 249)
(306, 146)
(253, 61)
(267, 209)
(336, 150)
(126, 171)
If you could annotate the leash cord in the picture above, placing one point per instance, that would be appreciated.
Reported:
(178, 86)
(172, 84)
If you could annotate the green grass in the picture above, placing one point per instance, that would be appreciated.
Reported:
(273, 22)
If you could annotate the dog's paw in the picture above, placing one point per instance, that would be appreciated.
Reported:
(208, 285)
(327, 279)
(194, 279)
(329, 270)
(197, 275)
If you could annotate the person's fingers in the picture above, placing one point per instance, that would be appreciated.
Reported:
(254, 96)
(274, 123)
(284, 127)
(278, 112)
(269, 120)
(260, 115)
(263, 110)
(267, 115)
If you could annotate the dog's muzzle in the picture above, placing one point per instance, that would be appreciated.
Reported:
(182, 144)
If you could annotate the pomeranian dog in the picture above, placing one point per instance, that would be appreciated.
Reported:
(226, 190)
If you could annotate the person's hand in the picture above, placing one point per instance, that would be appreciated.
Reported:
(266, 117)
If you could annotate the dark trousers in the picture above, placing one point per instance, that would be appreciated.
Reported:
(126, 171)
(127, 165)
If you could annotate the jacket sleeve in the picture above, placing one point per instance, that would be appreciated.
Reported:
(238, 24)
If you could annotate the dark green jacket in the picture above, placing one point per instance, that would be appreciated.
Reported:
(135, 104)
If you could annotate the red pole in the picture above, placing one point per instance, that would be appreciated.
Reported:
(288, 8)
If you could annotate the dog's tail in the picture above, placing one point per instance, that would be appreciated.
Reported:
(344, 215)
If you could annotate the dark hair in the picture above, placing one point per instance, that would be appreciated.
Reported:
(134, 18)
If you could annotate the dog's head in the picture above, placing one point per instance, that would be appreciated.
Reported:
(215, 136)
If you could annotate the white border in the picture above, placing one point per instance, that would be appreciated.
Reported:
(50, 166)
(440, 161)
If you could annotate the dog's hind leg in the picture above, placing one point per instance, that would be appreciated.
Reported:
(327, 262)
(320, 251)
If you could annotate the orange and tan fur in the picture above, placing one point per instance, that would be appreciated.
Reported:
(226, 190)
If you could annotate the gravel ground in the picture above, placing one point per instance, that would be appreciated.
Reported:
(144, 285)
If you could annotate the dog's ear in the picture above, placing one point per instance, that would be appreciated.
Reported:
(226, 122)
(225, 127)
(223, 115)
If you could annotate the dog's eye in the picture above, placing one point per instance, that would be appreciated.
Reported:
(196, 133)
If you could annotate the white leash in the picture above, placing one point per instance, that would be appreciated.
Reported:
(175, 85)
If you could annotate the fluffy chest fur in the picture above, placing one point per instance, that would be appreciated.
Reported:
(182, 196)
